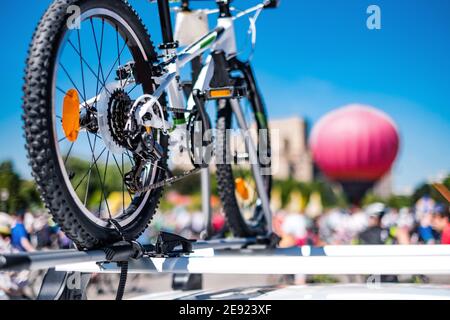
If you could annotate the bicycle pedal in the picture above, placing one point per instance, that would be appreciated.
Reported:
(226, 93)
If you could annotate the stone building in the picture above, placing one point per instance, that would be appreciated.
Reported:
(290, 154)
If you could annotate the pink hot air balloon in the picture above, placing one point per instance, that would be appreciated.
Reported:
(355, 145)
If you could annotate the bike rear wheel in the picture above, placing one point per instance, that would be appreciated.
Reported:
(82, 181)
(236, 184)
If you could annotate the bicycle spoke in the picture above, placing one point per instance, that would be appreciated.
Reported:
(132, 89)
(103, 190)
(110, 70)
(88, 66)
(61, 90)
(123, 189)
(84, 92)
(81, 128)
(90, 168)
(81, 62)
(117, 59)
(99, 51)
(73, 83)
(99, 174)
(129, 157)
(118, 53)
(122, 173)
(68, 153)
(99, 56)
(90, 172)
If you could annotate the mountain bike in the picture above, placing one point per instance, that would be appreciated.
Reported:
(105, 111)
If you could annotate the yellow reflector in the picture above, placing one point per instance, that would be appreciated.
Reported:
(220, 93)
(241, 188)
(71, 115)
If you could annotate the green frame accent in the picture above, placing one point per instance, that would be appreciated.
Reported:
(208, 41)
(178, 122)
(262, 120)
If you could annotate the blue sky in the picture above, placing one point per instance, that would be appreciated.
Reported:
(312, 56)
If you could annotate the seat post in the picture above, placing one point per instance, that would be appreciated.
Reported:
(166, 24)
(224, 8)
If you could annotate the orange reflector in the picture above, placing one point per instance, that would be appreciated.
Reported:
(241, 188)
(71, 115)
(220, 93)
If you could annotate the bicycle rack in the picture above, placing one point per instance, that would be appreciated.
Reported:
(56, 284)
(69, 271)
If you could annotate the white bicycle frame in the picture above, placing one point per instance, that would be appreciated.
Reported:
(222, 38)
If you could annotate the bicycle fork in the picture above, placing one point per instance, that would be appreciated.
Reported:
(254, 163)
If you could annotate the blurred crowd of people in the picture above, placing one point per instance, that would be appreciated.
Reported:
(26, 232)
(427, 222)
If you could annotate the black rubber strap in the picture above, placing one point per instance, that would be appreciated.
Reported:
(122, 280)
(123, 264)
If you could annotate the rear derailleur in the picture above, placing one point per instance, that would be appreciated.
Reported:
(147, 154)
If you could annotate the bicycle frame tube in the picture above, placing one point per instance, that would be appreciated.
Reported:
(221, 38)
(166, 23)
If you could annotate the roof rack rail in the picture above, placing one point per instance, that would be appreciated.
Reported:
(176, 255)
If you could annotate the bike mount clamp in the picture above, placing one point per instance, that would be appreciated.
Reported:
(123, 251)
(271, 240)
(167, 244)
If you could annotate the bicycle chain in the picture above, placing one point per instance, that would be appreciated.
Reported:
(170, 180)
(176, 110)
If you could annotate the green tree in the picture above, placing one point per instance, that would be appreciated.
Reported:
(399, 201)
(94, 183)
(330, 196)
(29, 195)
(9, 183)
